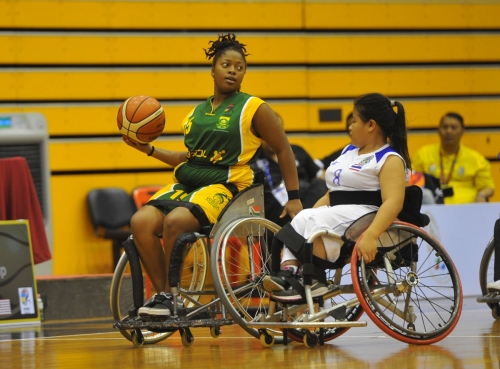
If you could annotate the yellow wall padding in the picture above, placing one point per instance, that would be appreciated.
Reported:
(37, 48)
(100, 119)
(487, 143)
(67, 155)
(166, 14)
(113, 154)
(293, 82)
(401, 14)
(227, 14)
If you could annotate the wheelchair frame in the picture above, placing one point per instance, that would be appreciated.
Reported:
(487, 273)
(392, 290)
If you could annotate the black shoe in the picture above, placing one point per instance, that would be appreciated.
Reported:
(161, 304)
(279, 281)
(317, 289)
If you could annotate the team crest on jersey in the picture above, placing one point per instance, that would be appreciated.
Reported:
(357, 167)
(218, 199)
(217, 156)
(188, 124)
(223, 123)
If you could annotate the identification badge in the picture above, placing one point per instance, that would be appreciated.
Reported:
(280, 194)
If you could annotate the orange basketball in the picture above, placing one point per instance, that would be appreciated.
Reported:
(141, 118)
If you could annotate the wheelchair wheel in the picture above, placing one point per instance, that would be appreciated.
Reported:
(240, 258)
(412, 290)
(193, 279)
(352, 314)
(486, 273)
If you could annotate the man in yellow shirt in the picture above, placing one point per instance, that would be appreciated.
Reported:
(465, 174)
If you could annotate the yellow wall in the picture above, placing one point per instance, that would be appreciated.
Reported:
(75, 61)
(77, 250)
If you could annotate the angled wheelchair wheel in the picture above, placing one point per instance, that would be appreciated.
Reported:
(486, 273)
(412, 290)
(193, 278)
(240, 258)
(352, 313)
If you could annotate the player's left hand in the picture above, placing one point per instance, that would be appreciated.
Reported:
(292, 207)
(367, 248)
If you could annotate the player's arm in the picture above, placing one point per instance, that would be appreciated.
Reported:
(265, 124)
(392, 185)
(172, 158)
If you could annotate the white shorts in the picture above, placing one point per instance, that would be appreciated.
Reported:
(334, 218)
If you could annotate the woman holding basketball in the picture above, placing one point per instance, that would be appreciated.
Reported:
(222, 136)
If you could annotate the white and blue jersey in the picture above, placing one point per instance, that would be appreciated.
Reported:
(352, 171)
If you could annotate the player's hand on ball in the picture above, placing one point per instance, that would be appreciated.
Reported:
(145, 148)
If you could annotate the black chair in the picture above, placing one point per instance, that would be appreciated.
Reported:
(110, 212)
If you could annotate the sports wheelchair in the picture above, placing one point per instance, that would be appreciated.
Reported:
(411, 291)
(489, 270)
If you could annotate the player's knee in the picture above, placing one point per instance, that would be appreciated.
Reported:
(178, 221)
(142, 221)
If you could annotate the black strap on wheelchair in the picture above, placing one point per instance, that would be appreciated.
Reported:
(411, 206)
(135, 271)
(312, 266)
(176, 258)
(496, 240)
(195, 209)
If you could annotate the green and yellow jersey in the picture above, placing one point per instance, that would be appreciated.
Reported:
(220, 143)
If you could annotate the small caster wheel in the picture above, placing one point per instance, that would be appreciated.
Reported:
(187, 337)
(310, 339)
(137, 339)
(215, 332)
(266, 339)
(495, 311)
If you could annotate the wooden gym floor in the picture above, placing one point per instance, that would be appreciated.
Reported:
(475, 343)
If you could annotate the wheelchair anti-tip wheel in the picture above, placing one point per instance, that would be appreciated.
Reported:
(193, 278)
(240, 258)
(486, 274)
(412, 290)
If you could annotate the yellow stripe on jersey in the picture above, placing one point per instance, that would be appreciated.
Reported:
(249, 142)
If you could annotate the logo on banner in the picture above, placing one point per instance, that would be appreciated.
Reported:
(27, 303)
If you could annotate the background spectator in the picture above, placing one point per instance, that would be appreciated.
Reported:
(464, 174)
(311, 187)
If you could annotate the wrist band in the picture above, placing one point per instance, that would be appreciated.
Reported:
(293, 195)
(152, 150)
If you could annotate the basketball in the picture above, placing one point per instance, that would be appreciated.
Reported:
(141, 118)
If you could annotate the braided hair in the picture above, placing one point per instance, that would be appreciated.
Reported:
(223, 43)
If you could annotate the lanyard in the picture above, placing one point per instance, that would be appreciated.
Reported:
(443, 182)
(264, 165)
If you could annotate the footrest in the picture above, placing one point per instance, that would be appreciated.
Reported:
(299, 325)
(169, 325)
(492, 298)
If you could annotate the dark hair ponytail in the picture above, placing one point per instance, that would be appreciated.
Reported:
(398, 138)
(392, 123)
